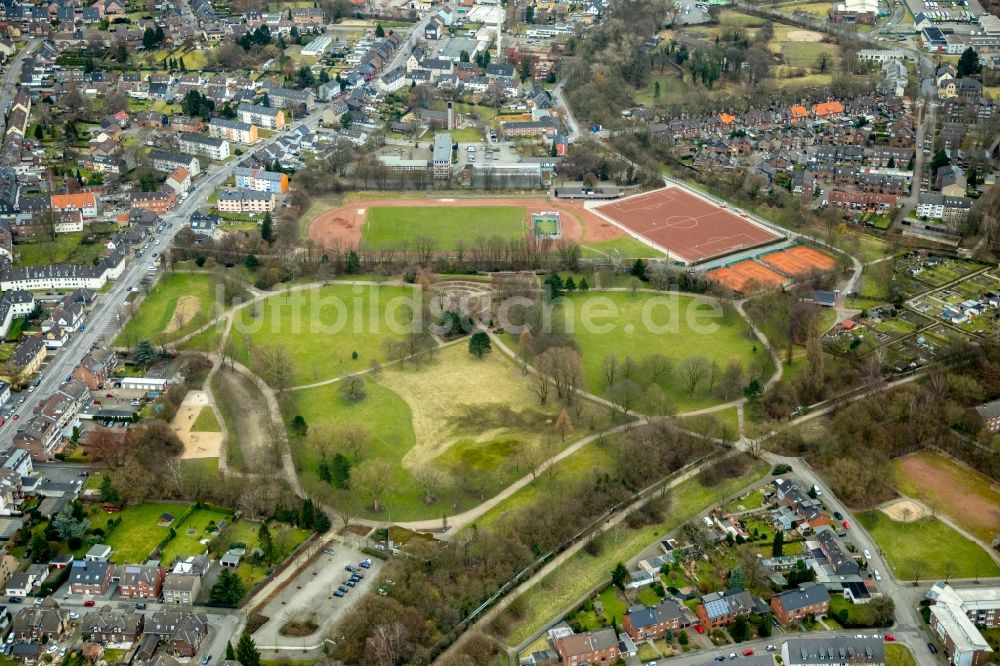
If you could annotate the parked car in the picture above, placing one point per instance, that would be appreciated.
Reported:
(932, 648)
(877, 575)
(700, 629)
(732, 655)
(748, 652)
(890, 637)
(868, 554)
(343, 589)
(89, 603)
(720, 658)
(207, 658)
(14, 600)
(772, 648)
(140, 606)
(350, 567)
(847, 525)
(350, 583)
(838, 515)
(338, 593)
(328, 551)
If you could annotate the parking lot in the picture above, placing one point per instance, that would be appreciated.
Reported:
(311, 593)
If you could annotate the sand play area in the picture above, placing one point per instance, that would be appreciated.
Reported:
(196, 444)
(804, 36)
(903, 510)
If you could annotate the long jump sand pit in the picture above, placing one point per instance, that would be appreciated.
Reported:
(184, 311)
(344, 226)
(196, 444)
(687, 227)
(903, 510)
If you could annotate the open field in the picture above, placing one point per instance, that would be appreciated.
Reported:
(543, 602)
(328, 324)
(193, 535)
(345, 225)
(927, 548)
(177, 304)
(933, 478)
(445, 227)
(627, 247)
(138, 534)
(415, 421)
(638, 325)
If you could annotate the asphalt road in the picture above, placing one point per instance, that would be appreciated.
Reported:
(61, 364)
(12, 74)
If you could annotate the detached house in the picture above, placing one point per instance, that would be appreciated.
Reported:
(645, 622)
(90, 578)
(808, 599)
(143, 581)
(592, 647)
(720, 609)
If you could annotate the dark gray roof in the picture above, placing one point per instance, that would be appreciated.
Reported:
(834, 650)
(806, 594)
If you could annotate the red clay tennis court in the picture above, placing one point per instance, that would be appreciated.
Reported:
(689, 228)
(799, 260)
(739, 274)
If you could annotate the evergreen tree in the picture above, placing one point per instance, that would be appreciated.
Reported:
(38, 132)
(159, 35)
(968, 63)
(148, 38)
(620, 576)
(569, 284)
(340, 471)
(639, 269)
(353, 265)
(247, 652)
(265, 542)
(583, 285)
(308, 517)
(479, 344)
(230, 652)
(228, 588)
(778, 545)
(379, 31)
(266, 232)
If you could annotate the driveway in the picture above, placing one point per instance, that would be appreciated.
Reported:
(311, 591)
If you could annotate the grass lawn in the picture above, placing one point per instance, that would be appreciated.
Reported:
(808, 54)
(391, 227)
(284, 537)
(207, 465)
(582, 571)
(629, 247)
(185, 543)
(415, 419)
(928, 548)
(327, 325)
(723, 424)
(138, 534)
(932, 477)
(158, 319)
(897, 654)
(206, 341)
(206, 421)
(467, 134)
(66, 248)
(676, 326)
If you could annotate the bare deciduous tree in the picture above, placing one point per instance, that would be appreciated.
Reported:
(693, 371)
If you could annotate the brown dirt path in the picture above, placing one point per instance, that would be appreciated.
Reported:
(343, 226)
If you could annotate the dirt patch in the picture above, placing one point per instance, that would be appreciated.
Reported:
(184, 311)
(342, 227)
(903, 511)
(196, 444)
(251, 421)
(804, 36)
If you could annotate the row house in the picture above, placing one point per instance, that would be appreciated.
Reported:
(260, 180)
(96, 367)
(182, 632)
(52, 420)
(24, 362)
(861, 200)
(45, 622)
(84, 202)
(287, 98)
(161, 201)
(112, 626)
(182, 123)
